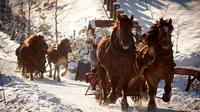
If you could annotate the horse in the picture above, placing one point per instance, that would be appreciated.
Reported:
(155, 61)
(59, 56)
(31, 55)
(17, 53)
(116, 59)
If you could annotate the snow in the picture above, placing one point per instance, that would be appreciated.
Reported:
(92, 23)
(47, 95)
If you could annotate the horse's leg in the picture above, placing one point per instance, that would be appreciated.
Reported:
(23, 70)
(54, 76)
(26, 71)
(50, 71)
(153, 85)
(43, 67)
(103, 82)
(113, 93)
(168, 88)
(40, 72)
(65, 72)
(124, 103)
(58, 74)
(37, 69)
(41, 75)
(31, 72)
(66, 68)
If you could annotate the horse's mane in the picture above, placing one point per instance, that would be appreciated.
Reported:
(62, 50)
(64, 41)
(31, 40)
(153, 31)
(115, 25)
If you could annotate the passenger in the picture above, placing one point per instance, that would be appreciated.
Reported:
(91, 77)
(93, 56)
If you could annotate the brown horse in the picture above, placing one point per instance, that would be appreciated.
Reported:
(116, 60)
(17, 53)
(156, 62)
(59, 56)
(31, 55)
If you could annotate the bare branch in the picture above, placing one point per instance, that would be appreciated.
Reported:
(177, 34)
(152, 14)
(163, 13)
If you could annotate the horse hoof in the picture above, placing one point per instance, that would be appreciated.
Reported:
(151, 107)
(124, 106)
(105, 103)
(151, 110)
(112, 99)
(63, 74)
(41, 76)
(166, 97)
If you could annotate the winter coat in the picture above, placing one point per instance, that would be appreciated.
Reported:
(93, 57)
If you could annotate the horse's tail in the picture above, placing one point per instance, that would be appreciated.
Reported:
(19, 62)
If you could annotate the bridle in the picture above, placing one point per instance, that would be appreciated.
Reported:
(121, 51)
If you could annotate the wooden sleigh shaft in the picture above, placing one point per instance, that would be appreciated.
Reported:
(189, 73)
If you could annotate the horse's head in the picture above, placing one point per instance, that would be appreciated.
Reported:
(42, 42)
(124, 33)
(67, 43)
(159, 35)
(64, 47)
(36, 42)
(165, 29)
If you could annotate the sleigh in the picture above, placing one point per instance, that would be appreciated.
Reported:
(192, 75)
(95, 89)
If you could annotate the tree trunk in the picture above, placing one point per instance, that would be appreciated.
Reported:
(29, 18)
(56, 22)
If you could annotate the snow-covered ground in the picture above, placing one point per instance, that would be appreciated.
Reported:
(68, 96)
